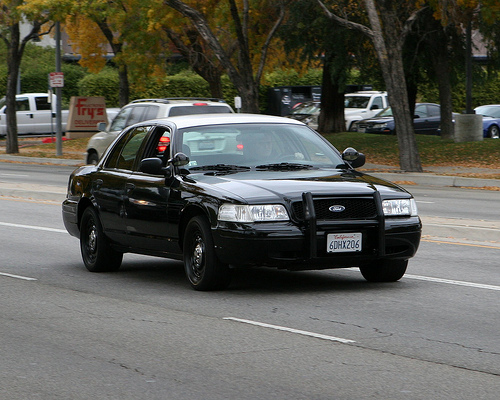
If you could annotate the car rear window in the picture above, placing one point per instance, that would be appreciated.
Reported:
(188, 110)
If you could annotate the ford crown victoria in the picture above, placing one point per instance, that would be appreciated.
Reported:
(226, 191)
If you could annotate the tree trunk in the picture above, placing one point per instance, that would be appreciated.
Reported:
(123, 84)
(442, 69)
(198, 60)
(388, 45)
(13, 64)
(331, 118)
(124, 87)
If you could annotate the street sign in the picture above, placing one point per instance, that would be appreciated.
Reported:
(56, 79)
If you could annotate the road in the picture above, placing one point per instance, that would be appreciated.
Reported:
(142, 333)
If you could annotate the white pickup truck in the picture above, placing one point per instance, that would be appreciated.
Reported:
(36, 114)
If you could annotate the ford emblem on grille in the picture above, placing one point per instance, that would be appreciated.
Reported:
(336, 208)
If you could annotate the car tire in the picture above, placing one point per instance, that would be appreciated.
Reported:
(204, 270)
(384, 270)
(92, 158)
(494, 132)
(97, 254)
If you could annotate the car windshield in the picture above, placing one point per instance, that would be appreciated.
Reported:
(356, 101)
(489, 111)
(259, 146)
(306, 108)
(386, 112)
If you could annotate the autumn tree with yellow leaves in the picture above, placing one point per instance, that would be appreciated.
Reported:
(11, 16)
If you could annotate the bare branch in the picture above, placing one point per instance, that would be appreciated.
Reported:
(346, 23)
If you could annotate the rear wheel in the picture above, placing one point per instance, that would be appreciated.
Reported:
(97, 254)
(203, 269)
(384, 270)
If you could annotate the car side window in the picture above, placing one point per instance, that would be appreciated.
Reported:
(120, 121)
(377, 103)
(42, 103)
(22, 104)
(433, 111)
(136, 115)
(151, 112)
(421, 111)
(124, 154)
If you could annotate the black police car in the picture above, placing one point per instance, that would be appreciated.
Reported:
(225, 191)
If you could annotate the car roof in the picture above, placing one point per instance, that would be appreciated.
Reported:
(179, 101)
(185, 121)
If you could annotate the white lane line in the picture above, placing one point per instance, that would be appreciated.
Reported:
(38, 228)
(18, 277)
(452, 282)
(16, 175)
(291, 330)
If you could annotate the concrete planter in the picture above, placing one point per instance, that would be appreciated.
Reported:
(468, 128)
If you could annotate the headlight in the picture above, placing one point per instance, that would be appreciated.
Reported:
(400, 207)
(379, 126)
(252, 213)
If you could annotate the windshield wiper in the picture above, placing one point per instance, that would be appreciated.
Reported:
(220, 167)
(284, 166)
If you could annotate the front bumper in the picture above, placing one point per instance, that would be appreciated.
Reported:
(296, 246)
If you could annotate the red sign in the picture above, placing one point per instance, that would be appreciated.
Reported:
(56, 79)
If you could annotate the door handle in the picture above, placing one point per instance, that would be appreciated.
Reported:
(130, 186)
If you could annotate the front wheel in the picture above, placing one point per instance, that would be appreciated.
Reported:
(384, 270)
(494, 132)
(203, 269)
(97, 254)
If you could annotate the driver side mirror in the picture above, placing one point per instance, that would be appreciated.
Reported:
(353, 157)
(179, 160)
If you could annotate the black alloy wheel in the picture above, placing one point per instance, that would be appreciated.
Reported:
(204, 270)
(97, 254)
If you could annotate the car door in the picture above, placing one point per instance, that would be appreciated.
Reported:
(109, 183)
(45, 119)
(428, 119)
(24, 115)
(146, 200)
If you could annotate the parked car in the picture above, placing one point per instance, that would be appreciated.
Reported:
(427, 120)
(491, 120)
(307, 112)
(144, 109)
(238, 190)
(358, 105)
(362, 105)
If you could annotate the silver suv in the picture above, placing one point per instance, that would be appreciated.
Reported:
(146, 109)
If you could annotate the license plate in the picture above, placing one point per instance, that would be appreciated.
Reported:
(343, 242)
(361, 130)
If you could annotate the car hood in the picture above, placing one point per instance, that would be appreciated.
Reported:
(255, 186)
